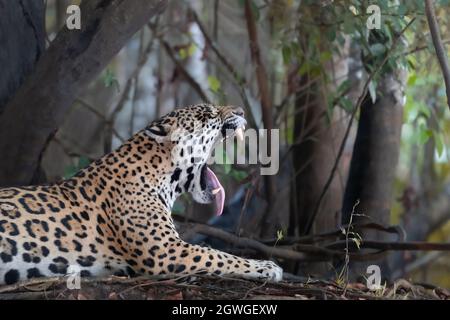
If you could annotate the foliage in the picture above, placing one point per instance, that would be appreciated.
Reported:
(71, 170)
(110, 80)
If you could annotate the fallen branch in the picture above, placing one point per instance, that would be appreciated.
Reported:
(249, 243)
(397, 246)
(416, 264)
(325, 252)
(217, 287)
(314, 238)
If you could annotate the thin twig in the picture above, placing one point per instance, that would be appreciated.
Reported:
(106, 121)
(192, 82)
(241, 80)
(125, 95)
(338, 232)
(420, 48)
(238, 78)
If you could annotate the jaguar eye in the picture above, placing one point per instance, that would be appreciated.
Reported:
(238, 112)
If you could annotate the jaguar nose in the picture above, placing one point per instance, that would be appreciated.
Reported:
(238, 111)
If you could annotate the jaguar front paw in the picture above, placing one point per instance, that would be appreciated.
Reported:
(272, 271)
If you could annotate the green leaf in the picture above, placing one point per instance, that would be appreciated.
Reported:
(178, 207)
(424, 135)
(280, 235)
(346, 104)
(239, 175)
(348, 26)
(344, 86)
(373, 91)
(191, 49)
(325, 56)
(412, 79)
(331, 34)
(286, 52)
(214, 84)
(70, 171)
(357, 242)
(377, 49)
(439, 143)
(83, 162)
(109, 79)
(182, 53)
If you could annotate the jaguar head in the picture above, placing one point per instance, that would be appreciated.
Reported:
(190, 134)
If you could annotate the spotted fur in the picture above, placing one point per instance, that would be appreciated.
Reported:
(114, 217)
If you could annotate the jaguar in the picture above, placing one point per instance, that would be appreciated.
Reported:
(114, 216)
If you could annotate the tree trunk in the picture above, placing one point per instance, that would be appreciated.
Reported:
(270, 218)
(73, 59)
(376, 151)
(22, 39)
(318, 134)
(375, 156)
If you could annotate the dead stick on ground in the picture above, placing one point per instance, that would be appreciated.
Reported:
(250, 243)
(438, 45)
(398, 246)
(307, 252)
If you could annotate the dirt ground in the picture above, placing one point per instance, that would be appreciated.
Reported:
(183, 288)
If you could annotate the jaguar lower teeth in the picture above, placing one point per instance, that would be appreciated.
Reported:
(216, 191)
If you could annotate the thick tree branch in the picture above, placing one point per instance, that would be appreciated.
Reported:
(72, 61)
(438, 45)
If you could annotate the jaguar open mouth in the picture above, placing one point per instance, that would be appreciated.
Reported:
(208, 177)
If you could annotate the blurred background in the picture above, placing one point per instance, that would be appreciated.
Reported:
(362, 116)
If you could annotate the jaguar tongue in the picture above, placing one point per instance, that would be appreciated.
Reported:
(218, 190)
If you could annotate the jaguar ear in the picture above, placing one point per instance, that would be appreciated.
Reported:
(158, 131)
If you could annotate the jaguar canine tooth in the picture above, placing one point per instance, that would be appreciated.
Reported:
(215, 191)
(240, 134)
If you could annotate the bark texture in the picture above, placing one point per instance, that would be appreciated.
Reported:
(73, 59)
(22, 39)
(374, 162)
(376, 151)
